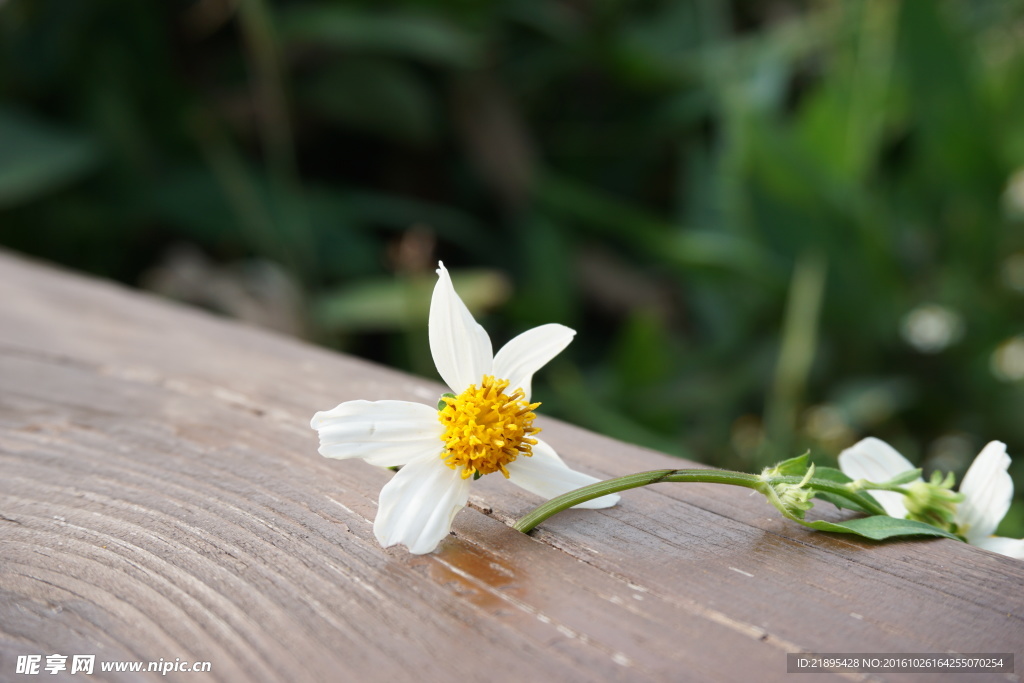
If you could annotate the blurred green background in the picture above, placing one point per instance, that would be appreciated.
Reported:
(776, 225)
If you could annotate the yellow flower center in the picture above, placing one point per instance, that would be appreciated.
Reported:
(486, 429)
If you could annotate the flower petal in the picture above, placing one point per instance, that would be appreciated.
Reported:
(459, 345)
(418, 505)
(987, 489)
(383, 433)
(545, 474)
(529, 352)
(877, 461)
(1012, 547)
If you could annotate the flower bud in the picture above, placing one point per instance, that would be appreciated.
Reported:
(795, 499)
(933, 502)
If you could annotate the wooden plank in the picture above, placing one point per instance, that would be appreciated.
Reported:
(162, 498)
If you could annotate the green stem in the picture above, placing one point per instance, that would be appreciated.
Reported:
(896, 488)
(750, 481)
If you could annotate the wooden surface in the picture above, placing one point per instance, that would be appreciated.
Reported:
(161, 497)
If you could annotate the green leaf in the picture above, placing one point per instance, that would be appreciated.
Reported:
(393, 304)
(837, 476)
(906, 478)
(841, 502)
(687, 249)
(831, 474)
(794, 467)
(398, 212)
(417, 35)
(880, 527)
(643, 352)
(38, 158)
(844, 122)
(380, 96)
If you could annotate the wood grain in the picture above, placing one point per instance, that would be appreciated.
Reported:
(162, 497)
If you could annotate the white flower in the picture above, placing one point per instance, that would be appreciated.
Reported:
(485, 428)
(987, 489)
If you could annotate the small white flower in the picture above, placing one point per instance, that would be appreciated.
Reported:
(987, 490)
(931, 328)
(485, 428)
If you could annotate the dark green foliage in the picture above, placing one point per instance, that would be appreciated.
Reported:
(699, 188)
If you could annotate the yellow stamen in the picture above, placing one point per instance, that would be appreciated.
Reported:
(486, 429)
